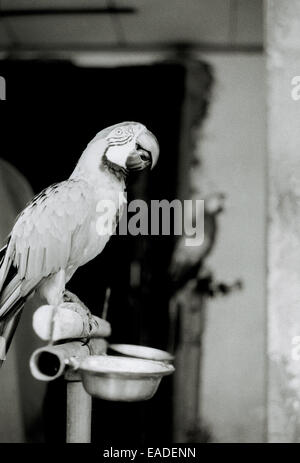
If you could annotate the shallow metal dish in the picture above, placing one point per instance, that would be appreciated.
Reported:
(143, 352)
(123, 379)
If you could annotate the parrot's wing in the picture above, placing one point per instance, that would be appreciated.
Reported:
(41, 239)
(40, 244)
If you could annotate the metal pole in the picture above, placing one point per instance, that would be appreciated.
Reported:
(79, 411)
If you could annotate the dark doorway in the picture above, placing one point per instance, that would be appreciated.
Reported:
(52, 111)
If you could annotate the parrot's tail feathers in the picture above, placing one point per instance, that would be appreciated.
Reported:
(6, 266)
(13, 294)
(11, 305)
(10, 296)
(10, 283)
(2, 253)
(7, 330)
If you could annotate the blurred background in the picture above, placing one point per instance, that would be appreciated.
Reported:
(194, 72)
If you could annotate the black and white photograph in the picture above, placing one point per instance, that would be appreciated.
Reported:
(149, 225)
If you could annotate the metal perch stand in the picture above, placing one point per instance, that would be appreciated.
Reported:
(87, 369)
(79, 410)
(70, 320)
(50, 362)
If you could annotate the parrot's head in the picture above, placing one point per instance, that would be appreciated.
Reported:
(124, 147)
(130, 146)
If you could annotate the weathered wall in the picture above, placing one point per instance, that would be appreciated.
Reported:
(283, 63)
(232, 149)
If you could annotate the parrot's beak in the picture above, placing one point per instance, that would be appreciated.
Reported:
(145, 154)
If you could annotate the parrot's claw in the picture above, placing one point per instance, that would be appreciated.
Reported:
(71, 297)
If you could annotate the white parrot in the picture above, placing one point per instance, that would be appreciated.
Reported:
(56, 233)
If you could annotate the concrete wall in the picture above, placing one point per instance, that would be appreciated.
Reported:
(283, 64)
(233, 152)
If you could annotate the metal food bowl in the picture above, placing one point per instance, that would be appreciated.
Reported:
(142, 352)
(122, 379)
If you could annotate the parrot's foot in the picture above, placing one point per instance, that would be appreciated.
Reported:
(71, 297)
